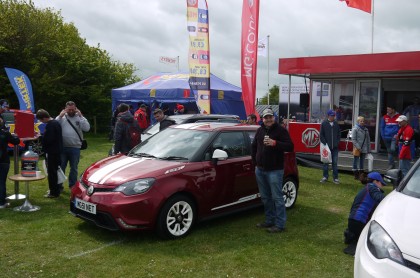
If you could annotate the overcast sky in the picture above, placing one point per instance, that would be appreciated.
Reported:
(139, 31)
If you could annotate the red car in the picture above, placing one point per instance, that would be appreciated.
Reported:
(181, 175)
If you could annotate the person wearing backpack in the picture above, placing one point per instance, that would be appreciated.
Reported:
(127, 130)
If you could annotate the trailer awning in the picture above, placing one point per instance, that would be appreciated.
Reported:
(378, 64)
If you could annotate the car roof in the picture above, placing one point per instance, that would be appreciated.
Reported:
(197, 117)
(214, 126)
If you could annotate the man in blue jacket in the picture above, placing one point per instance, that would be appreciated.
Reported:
(361, 211)
(330, 135)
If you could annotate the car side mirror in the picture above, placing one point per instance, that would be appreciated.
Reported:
(219, 155)
(393, 176)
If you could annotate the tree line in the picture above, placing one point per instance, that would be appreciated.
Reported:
(60, 64)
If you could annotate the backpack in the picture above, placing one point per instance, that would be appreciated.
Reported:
(134, 133)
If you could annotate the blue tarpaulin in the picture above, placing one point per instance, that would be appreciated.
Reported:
(173, 88)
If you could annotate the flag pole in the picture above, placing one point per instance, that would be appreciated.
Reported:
(373, 16)
(177, 62)
(268, 69)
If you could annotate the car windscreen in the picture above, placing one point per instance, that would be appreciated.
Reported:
(172, 144)
(412, 187)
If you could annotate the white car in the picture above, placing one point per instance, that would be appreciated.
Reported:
(389, 245)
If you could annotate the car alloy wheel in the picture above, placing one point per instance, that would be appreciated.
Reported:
(176, 217)
(290, 189)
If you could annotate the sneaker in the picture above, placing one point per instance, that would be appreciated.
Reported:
(275, 229)
(6, 205)
(336, 181)
(264, 225)
(51, 196)
(323, 180)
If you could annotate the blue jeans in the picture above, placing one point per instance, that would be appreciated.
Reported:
(358, 162)
(404, 166)
(334, 157)
(4, 170)
(270, 185)
(391, 149)
(71, 155)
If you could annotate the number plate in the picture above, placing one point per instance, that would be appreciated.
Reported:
(85, 206)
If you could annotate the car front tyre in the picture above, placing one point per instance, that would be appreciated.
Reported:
(176, 217)
(290, 192)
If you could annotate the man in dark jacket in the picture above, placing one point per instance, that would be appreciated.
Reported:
(162, 119)
(52, 145)
(330, 135)
(121, 134)
(5, 138)
(270, 143)
(361, 211)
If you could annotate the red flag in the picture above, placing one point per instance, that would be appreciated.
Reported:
(364, 5)
(249, 51)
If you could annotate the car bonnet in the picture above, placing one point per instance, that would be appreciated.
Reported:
(398, 214)
(121, 169)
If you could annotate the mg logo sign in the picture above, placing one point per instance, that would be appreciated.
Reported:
(310, 137)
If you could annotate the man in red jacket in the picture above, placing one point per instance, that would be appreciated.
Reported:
(141, 117)
(405, 138)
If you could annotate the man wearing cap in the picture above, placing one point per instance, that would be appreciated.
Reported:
(330, 135)
(405, 143)
(162, 119)
(270, 142)
(364, 204)
(389, 128)
(141, 116)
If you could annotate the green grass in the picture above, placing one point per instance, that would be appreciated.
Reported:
(52, 243)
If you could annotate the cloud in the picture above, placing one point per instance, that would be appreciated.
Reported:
(135, 32)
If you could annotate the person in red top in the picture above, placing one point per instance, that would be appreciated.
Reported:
(405, 138)
(141, 117)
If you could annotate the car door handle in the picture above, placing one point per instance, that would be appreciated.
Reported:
(247, 167)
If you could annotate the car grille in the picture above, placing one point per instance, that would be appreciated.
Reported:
(101, 219)
(96, 189)
(412, 265)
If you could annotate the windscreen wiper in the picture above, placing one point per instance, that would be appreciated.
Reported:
(142, 155)
(173, 158)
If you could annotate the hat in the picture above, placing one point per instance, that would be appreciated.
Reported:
(157, 110)
(376, 176)
(331, 112)
(267, 112)
(402, 118)
(179, 107)
(4, 103)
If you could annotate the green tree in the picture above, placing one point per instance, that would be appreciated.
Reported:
(274, 96)
(60, 64)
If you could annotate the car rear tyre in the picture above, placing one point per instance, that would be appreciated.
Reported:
(290, 192)
(176, 217)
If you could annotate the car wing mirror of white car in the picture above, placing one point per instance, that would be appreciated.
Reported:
(219, 155)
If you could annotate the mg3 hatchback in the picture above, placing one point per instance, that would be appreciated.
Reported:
(183, 174)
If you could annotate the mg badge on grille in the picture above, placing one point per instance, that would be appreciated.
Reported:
(90, 190)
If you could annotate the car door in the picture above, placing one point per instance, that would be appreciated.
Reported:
(234, 177)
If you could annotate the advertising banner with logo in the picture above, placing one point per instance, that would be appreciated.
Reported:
(22, 87)
(249, 51)
(305, 137)
(199, 55)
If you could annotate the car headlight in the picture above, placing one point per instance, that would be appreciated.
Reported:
(381, 245)
(135, 187)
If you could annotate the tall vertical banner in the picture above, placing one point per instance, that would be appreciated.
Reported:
(22, 87)
(249, 51)
(199, 54)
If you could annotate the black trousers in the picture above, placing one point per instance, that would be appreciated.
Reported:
(53, 161)
(354, 229)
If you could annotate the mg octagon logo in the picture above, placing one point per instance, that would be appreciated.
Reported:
(310, 137)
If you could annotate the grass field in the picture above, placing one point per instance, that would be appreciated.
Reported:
(52, 243)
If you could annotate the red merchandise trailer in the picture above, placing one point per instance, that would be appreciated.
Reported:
(352, 85)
